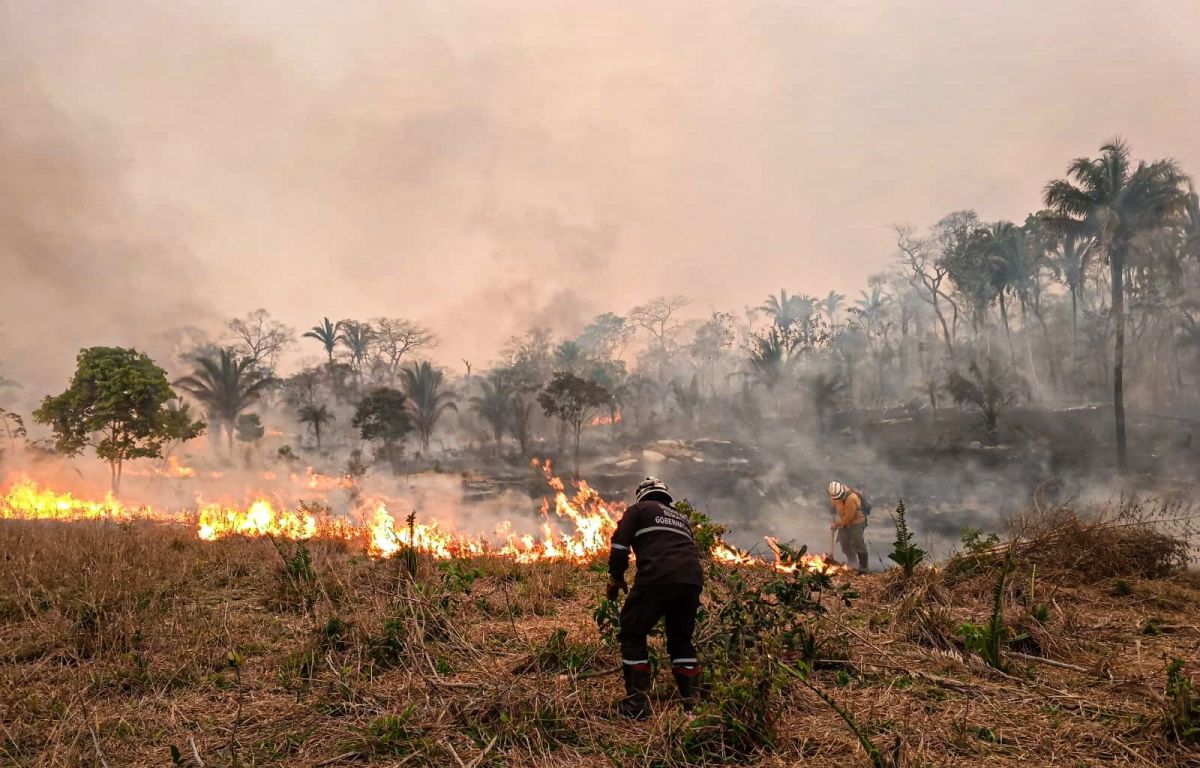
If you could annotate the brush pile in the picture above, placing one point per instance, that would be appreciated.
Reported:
(1074, 645)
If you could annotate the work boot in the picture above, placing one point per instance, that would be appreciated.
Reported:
(636, 704)
(687, 679)
(862, 562)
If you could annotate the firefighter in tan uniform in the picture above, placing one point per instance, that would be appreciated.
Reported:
(850, 523)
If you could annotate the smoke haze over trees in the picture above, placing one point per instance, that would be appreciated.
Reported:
(490, 171)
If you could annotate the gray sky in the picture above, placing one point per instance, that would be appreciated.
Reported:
(482, 165)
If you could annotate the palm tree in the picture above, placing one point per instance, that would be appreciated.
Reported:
(1000, 248)
(1072, 253)
(356, 338)
(1113, 202)
(787, 310)
(225, 385)
(770, 356)
(494, 404)
(423, 383)
(327, 333)
(831, 302)
(871, 306)
(315, 416)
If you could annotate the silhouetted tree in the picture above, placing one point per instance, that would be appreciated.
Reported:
(225, 385)
(316, 417)
(383, 416)
(327, 334)
(571, 400)
(423, 383)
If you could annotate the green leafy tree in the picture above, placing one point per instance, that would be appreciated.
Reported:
(326, 333)
(226, 385)
(316, 417)
(423, 384)
(383, 416)
(117, 404)
(571, 400)
(1111, 200)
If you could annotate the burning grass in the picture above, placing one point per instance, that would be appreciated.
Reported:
(142, 644)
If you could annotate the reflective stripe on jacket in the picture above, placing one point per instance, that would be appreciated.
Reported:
(661, 540)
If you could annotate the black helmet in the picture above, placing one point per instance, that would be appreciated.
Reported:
(652, 486)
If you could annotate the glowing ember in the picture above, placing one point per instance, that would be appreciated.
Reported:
(598, 421)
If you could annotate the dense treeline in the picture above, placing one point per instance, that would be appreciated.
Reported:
(1094, 297)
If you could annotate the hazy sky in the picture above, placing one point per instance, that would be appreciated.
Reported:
(481, 166)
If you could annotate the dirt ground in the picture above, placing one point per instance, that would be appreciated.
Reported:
(137, 645)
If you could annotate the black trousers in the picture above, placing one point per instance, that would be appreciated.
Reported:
(644, 606)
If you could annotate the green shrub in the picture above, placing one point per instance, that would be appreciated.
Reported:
(904, 553)
(1183, 707)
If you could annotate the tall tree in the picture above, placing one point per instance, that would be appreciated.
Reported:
(423, 383)
(260, 337)
(605, 336)
(1113, 201)
(316, 417)
(116, 403)
(571, 399)
(326, 333)
(927, 273)
(396, 337)
(225, 385)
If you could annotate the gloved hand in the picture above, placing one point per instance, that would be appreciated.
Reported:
(615, 587)
(833, 526)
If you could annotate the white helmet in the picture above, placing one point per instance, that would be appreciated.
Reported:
(837, 490)
(652, 485)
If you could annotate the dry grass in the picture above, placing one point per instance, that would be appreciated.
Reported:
(119, 642)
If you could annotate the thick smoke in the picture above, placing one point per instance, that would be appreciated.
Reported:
(469, 166)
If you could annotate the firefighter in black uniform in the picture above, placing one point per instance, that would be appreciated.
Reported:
(669, 579)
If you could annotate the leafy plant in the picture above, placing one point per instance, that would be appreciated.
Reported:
(1183, 707)
(905, 553)
(457, 577)
(706, 532)
(607, 616)
(297, 577)
(988, 640)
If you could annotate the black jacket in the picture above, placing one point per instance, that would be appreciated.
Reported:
(661, 540)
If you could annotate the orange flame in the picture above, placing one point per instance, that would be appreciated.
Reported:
(605, 420)
(576, 526)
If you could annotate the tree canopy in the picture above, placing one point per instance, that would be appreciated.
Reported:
(117, 404)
